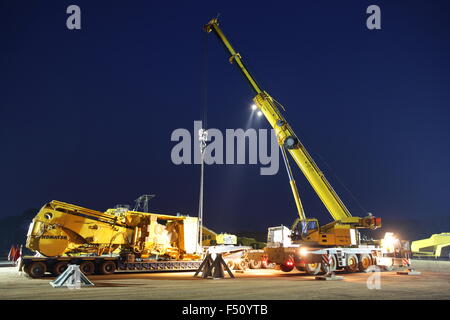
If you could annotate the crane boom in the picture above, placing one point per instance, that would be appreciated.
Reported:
(285, 135)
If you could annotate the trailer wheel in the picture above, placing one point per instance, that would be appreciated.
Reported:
(107, 267)
(87, 267)
(242, 265)
(255, 264)
(312, 268)
(36, 269)
(26, 269)
(364, 262)
(59, 268)
(352, 263)
(286, 268)
(230, 264)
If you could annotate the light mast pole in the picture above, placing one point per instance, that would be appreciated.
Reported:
(202, 137)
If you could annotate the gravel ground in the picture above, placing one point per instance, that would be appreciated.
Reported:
(253, 285)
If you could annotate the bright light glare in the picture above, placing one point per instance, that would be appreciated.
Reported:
(389, 241)
(259, 113)
(303, 251)
(254, 107)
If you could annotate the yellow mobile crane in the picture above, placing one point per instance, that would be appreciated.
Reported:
(306, 233)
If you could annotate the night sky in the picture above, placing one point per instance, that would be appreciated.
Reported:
(86, 115)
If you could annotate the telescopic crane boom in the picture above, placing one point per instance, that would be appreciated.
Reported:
(288, 140)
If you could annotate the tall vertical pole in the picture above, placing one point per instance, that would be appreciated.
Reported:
(203, 137)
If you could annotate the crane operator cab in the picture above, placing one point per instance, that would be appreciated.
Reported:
(301, 229)
(334, 233)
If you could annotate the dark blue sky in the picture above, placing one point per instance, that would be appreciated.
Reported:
(86, 116)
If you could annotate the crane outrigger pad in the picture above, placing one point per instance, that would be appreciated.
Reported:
(331, 276)
(214, 268)
(72, 278)
(409, 272)
(409, 269)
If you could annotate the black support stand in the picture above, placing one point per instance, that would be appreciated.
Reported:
(214, 268)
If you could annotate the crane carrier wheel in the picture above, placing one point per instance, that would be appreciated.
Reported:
(365, 261)
(352, 263)
(313, 268)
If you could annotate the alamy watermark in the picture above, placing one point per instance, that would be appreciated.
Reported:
(373, 282)
(228, 148)
(73, 21)
(373, 22)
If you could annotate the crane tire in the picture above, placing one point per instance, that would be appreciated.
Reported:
(365, 261)
(59, 268)
(36, 269)
(107, 267)
(352, 263)
(313, 268)
(87, 267)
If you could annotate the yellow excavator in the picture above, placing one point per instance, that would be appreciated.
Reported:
(103, 242)
(339, 239)
(211, 238)
(121, 239)
(436, 246)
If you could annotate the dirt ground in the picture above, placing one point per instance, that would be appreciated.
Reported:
(252, 285)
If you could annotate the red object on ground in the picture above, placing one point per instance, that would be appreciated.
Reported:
(17, 253)
(12, 253)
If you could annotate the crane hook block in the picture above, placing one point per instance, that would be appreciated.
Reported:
(290, 142)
